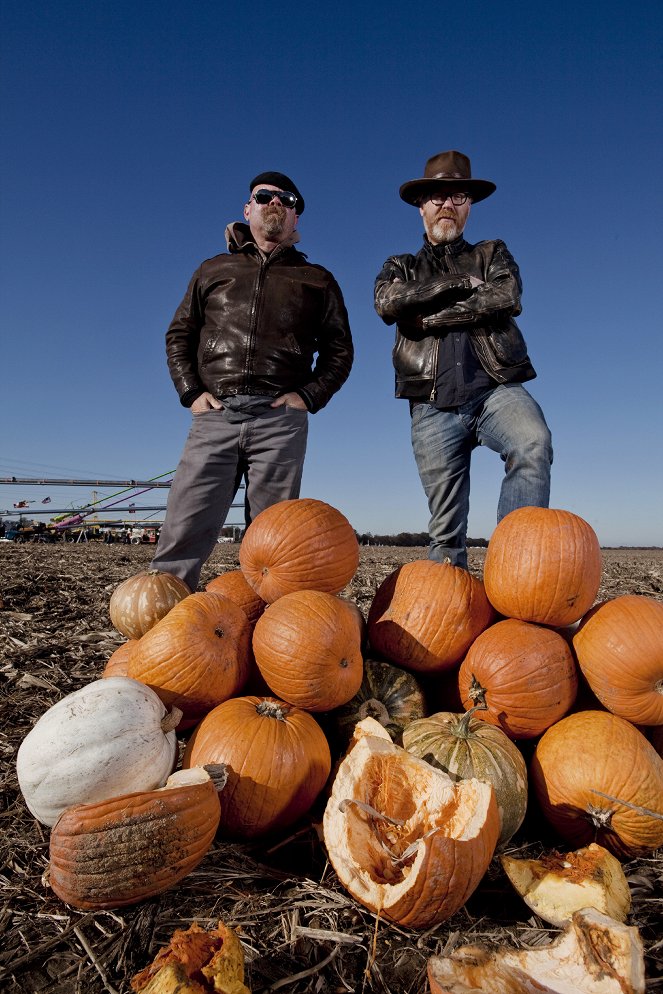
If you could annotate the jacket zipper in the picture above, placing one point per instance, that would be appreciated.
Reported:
(262, 266)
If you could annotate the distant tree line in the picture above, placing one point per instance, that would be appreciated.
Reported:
(407, 538)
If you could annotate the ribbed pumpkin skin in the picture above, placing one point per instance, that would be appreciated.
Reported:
(388, 693)
(466, 748)
(299, 544)
(127, 848)
(619, 646)
(425, 615)
(235, 587)
(596, 751)
(525, 675)
(142, 600)
(421, 866)
(197, 656)
(277, 757)
(542, 565)
(307, 647)
(118, 662)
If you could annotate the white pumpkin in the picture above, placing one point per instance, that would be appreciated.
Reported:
(111, 737)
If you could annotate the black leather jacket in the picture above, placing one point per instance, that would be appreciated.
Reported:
(252, 324)
(430, 293)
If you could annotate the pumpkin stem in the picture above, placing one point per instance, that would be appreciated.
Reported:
(273, 709)
(477, 693)
(658, 686)
(218, 774)
(374, 709)
(219, 632)
(171, 720)
(627, 804)
(600, 817)
(462, 727)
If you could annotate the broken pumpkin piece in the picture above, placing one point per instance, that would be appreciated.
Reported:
(196, 961)
(594, 955)
(558, 884)
(404, 839)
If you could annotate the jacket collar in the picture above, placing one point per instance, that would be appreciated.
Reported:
(455, 247)
(239, 239)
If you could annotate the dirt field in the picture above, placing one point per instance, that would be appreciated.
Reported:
(301, 931)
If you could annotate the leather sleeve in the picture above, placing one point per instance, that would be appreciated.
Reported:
(182, 340)
(400, 298)
(335, 352)
(497, 299)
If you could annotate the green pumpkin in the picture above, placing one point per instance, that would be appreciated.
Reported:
(389, 694)
(465, 747)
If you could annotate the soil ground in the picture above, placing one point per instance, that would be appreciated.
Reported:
(300, 930)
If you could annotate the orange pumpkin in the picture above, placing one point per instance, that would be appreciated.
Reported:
(197, 656)
(598, 779)
(277, 758)
(307, 647)
(234, 586)
(403, 838)
(542, 565)
(425, 615)
(524, 675)
(124, 849)
(140, 601)
(299, 544)
(620, 650)
(118, 662)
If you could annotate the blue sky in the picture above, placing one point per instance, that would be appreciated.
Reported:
(132, 130)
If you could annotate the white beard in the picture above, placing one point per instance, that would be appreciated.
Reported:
(443, 231)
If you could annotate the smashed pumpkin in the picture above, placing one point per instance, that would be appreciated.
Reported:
(196, 961)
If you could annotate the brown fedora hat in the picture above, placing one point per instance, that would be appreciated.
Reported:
(447, 171)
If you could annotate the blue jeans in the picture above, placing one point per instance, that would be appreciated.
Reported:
(506, 419)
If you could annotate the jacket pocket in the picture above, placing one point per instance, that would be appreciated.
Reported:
(508, 344)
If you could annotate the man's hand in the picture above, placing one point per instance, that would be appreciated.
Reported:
(206, 402)
(290, 400)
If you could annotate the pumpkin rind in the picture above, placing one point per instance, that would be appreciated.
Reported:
(122, 850)
(141, 600)
(542, 565)
(197, 656)
(425, 615)
(594, 753)
(388, 693)
(100, 741)
(307, 647)
(301, 544)
(524, 674)
(277, 758)
(465, 748)
(118, 661)
(235, 587)
(403, 838)
(619, 646)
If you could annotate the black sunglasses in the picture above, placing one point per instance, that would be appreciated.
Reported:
(284, 196)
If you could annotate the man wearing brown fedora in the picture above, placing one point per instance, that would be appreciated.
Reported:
(460, 358)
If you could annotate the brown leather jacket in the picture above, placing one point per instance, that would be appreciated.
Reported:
(430, 293)
(252, 324)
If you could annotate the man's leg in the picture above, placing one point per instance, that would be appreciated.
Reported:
(199, 498)
(442, 447)
(274, 446)
(512, 423)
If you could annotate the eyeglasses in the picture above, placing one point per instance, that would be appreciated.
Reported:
(286, 198)
(441, 198)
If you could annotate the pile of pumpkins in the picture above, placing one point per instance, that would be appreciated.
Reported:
(270, 665)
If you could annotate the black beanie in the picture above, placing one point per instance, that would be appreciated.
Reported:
(282, 181)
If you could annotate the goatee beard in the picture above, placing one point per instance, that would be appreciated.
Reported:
(443, 231)
(273, 218)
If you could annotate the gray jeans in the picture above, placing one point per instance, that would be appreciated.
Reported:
(266, 450)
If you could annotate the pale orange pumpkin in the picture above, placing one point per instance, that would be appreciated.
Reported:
(524, 675)
(122, 850)
(542, 565)
(425, 615)
(197, 656)
(619, 646)
(598, 779)
(307, 647)
(277, 758)
(301, 544)
(235, 587)
(140, 601)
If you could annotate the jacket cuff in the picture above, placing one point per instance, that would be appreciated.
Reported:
(308, 400)
(187, 399)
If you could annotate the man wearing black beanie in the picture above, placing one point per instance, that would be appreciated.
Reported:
(260, 340)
